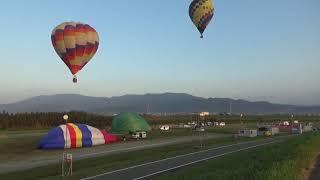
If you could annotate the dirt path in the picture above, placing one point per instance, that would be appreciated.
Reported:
(315, 170)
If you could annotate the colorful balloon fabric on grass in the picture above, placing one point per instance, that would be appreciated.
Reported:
(75, 136)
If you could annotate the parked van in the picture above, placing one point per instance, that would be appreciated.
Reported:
(139, 135)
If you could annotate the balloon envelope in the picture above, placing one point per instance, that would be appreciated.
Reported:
(201, 13)
(75, 136)
(75, 43)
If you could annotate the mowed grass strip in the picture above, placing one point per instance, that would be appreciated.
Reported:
(285, 161)
(93, 166)
(15, 148)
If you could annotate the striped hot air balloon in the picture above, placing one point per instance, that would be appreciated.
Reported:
(75, 43)
(75, 136)
(201, 13)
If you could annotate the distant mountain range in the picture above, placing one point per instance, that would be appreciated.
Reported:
(152, 103)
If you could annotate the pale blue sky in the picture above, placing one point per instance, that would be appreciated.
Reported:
(256, 50)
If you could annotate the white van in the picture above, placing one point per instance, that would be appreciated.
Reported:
(139, 135)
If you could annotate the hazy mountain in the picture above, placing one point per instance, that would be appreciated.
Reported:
(155, 103)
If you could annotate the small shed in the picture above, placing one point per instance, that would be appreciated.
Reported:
(248, 133)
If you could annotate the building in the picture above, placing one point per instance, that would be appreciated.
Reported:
(267, 130)
(307, 127)
(204, 114)
(247, 133)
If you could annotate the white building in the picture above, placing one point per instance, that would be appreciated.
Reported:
(307, 127)
(165, 128)
(248, 133)
(204, 114)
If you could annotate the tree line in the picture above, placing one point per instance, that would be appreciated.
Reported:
(45, 120)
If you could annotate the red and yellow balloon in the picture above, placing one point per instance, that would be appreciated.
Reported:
(75, 43)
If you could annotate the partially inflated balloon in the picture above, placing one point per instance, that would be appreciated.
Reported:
(75, 43)
(201, 13)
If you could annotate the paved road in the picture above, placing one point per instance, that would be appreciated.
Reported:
(146, 170)
(44, 158)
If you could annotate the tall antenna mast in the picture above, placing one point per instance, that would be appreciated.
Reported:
(147, 108)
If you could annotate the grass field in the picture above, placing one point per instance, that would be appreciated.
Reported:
(17, 145)
(14, 147)
(154, 134)
(279, 161)
(230, 128)
(84, 168)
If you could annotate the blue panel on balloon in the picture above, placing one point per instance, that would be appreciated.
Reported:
(53, 140)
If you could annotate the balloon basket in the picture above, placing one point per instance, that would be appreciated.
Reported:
(75, 80)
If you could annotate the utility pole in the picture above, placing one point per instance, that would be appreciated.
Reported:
(66, 158)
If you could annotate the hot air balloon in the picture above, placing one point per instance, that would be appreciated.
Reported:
(201, 13)
(75, 43)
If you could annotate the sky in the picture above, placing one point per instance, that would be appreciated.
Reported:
(254, 50)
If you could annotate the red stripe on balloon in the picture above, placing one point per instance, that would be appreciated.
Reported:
(69, 30)
(86, 28)
(58, 35)
(71, 54)
(80, 28)
(73, 136)
(80, 50)
(74, 68)
(89, 48)
(105, 135)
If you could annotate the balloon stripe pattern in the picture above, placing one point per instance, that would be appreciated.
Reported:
(75, 43)
(201, 13)
(76, 136)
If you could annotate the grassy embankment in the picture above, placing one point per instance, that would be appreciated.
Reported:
(287, 161)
